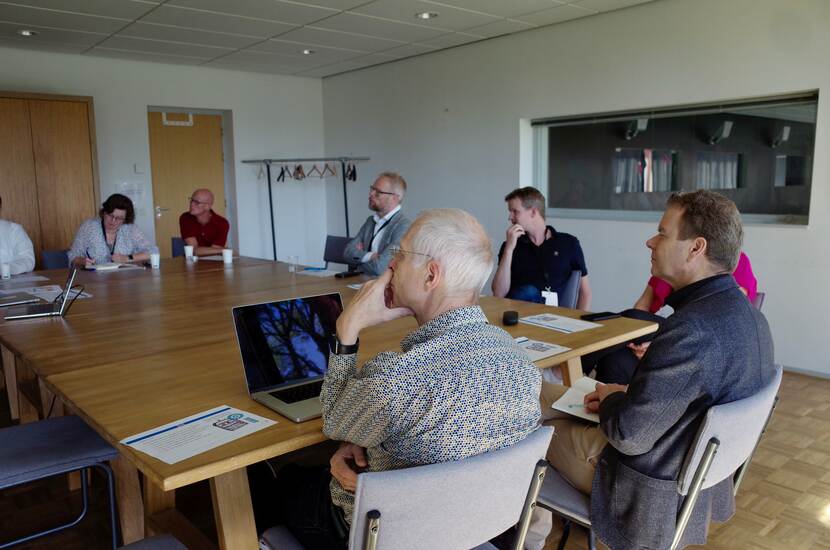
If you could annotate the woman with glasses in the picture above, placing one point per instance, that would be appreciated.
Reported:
(111, 237)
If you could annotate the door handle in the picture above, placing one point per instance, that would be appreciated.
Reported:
(160, 210)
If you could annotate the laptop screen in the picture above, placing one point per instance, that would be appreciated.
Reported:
(67, 288)
(286, 342)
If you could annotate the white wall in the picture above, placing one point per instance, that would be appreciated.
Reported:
(272, 116)
(450, 122)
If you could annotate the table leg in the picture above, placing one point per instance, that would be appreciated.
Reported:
(157, 499)
(10, 376)
(233, 511)
(572, 371)
(128, 499)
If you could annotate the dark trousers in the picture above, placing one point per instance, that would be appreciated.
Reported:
(526, 293)
(616, 365)
(298, 498)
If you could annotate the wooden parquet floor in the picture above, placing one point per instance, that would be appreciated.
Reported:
(783, 504)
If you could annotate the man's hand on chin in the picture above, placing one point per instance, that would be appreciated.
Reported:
(368, 308)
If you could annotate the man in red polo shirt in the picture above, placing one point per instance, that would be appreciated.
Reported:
(201, 227)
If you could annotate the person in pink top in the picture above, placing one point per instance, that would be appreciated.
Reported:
(654, 296)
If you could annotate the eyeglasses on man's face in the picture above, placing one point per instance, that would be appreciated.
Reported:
(398, 253)
(375, 191)
(194, 200)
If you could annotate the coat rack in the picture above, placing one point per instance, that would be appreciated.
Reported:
(343, 163)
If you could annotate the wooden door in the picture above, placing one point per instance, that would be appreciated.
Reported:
(63, 169)
(183, 158)
(18, 187)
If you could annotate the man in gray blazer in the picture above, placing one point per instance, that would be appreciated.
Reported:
(716, 348)
(382, 230)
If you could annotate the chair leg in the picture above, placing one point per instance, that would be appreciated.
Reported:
(76, 521)
(592, 540)
(566, 531)
(111, 496)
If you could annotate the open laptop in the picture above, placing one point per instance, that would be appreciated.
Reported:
(285, 351)
(17, 299)
(58, 307)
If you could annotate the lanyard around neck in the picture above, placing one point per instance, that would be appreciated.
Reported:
(115, 240)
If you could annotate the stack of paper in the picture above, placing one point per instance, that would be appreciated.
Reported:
(539, 350)
(557, 322)
(573, 402)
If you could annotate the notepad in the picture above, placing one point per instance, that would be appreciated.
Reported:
(573, 401)
(558, 322)
(104, 266)
(539, 350)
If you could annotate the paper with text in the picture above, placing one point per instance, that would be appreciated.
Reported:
(572, 402)
(558, 323)
(537, 349)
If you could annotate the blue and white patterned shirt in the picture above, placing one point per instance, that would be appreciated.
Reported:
(90, 242)
(461, 387)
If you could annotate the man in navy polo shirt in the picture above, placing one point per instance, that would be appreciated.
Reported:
(536, 257)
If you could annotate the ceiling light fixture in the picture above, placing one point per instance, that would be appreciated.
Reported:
(426, 15)
(27, 32)
(307, 52)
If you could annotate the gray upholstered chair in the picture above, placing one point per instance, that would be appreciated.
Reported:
(459, 504)
(54, 259)
(29, 452)
(162, 542)
(334, 250)
(758, 302)
(177, 246)
(570, 294)
(723, 447)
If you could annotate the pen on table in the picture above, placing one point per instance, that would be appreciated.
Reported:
(314, 269)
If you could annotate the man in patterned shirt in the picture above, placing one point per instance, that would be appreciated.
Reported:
(459, 387)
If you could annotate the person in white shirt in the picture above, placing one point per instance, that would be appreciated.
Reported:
(382, 230)
(15, 247)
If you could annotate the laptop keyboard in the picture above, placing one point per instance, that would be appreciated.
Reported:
(298, 393)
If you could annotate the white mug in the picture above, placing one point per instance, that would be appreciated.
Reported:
(155, 260)
(5, 271)
(188, 251)
(227, 255)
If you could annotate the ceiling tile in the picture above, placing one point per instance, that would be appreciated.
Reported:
(555, 15)
(209, 21)
(46, 34)
(59, 20)
(273, 10)
(158, 46)
(381, 28)
(322, 55)
(607, 5)
(144, 56)
(24, 43)
(269, 59)
(178, 34)
(505, 26)
(499, 8)
(337, 4)
(451, 39)
(408, 50)
(124, 9)
(350, 65)
(338, 39)
(449, 18)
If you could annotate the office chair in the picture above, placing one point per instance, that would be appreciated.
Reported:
(570, 295)
(177, 246)
(54, 259)
(334, 250)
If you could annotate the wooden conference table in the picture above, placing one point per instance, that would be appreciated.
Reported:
(154, 346)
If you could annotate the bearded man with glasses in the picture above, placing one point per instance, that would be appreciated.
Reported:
(383, 229)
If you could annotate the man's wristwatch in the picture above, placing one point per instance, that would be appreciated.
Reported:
(130, 257)
(341, 349)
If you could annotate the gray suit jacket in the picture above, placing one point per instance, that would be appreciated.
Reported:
(716, 348)
(392, 235)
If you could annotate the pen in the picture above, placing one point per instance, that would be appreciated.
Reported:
(314, 269)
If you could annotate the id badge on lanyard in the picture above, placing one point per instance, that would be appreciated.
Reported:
(551, 298)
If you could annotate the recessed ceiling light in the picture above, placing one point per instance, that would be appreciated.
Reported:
(26, 32)
(426, 15)
(307, 52)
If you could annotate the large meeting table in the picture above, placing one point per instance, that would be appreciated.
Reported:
(154, 346)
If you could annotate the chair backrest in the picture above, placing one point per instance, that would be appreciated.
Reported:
(736, 426)
(54, 259)
(758, 302)
(570, 295)
(177, 246)
(334, 249)
(458, 504)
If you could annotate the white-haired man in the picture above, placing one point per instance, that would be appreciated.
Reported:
(459, 387)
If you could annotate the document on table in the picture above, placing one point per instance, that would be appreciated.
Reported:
(572, 402)
(26, 278)
(559, 323)
(355, 286)
(196, 434)
(317, 272)
(539, 350)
